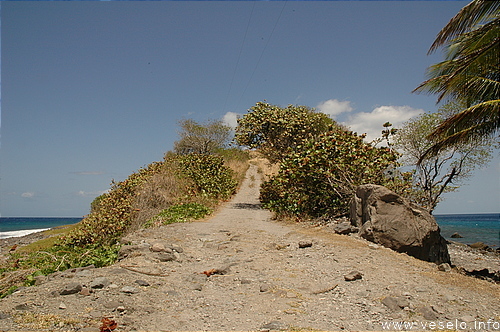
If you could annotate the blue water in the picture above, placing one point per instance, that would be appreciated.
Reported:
(473, 227)
(18, 226)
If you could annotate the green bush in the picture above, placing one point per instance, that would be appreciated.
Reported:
(209, 177)
(319, 179)
(111, 215)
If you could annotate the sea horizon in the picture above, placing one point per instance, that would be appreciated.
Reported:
(473, 227)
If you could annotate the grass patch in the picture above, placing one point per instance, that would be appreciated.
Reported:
(180, 213)
(44, 244)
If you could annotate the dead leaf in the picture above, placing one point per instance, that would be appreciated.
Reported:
(108, 325)
(210, 272)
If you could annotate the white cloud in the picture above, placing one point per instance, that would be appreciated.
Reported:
(28, 194)
(91, 193)
(334, 107)
(230, 119)
(371, 123)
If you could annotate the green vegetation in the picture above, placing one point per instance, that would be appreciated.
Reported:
(182, 187)
(204, 138)
(468, 75)
(276, 131)
(180, 213)
(443, 171)
(319, 178)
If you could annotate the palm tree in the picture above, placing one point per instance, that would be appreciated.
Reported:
(470, 74)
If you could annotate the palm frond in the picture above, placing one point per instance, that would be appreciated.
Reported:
(475, 13)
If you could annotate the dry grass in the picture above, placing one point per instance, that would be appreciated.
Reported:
(266, 168)
(160, 192)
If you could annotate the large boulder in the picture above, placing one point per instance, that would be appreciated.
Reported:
(388, 219)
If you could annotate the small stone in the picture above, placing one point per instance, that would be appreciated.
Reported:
(456, 236)
(62, 306)
(99, 283)
(445, 267)
(22, 307)
(467, 319)
(353, 275)
(160, 247)
(343, 228)
(305, 244)
(176, 248)
(120, 308)
(142, 283)
(245, 281)
(264, 288)
(129, 290)
(396, 303)
(112, 305)
(479, 245)
(274, 325)
(85, 291)
(71, 288)
(429, 313)
(166, 257)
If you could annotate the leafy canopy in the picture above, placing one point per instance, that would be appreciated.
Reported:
(275, 130)
(319, 178)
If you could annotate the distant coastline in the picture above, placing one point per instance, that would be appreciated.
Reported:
(21, 226)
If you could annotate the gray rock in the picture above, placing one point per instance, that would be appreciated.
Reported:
(71, 288)
(353, 275)
(273, 325)
(445, 267)
(100, 283)
(386, 218)
(396, 303)
(142, 283)
(479, 245)
(128, 250)
(160, 247)
(343, 228)
(305, 244)
(176, 248)
(166, 257)
(467, 319)
(22, 307)
(129, 290)
(63, 306)
(429, 313)
(456, 236)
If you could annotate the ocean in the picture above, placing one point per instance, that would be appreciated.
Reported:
(20, 226)
(473, 227)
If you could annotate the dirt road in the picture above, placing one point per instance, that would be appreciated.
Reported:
(239, 270)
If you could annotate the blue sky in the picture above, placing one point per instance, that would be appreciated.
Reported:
(92, 91)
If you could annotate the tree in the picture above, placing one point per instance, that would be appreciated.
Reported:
(202, 138)
(319, 178)
(276, 130)
(442, 172)
(470, 74)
